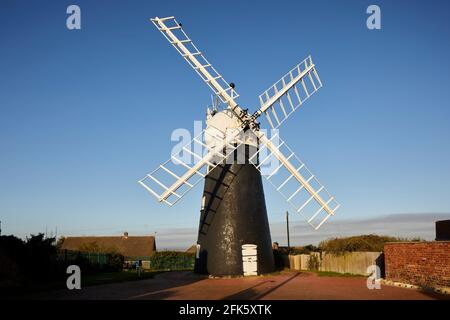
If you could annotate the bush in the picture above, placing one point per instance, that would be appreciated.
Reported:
(41, 257)
(12, 261)
(172, 260)
(366, 243)
(303, 250)
(115, 262)
(35, 261)
(278, 259)
(24, 262)
(314, 262)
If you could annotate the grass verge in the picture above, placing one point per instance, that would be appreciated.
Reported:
(114, 277)
(337, 274)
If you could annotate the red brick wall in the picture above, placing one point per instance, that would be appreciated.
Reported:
(419, 263)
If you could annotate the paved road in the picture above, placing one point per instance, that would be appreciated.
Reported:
(287, 285)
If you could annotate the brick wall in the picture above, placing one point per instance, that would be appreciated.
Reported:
(424, 264)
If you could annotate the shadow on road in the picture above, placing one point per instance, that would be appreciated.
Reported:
(253, 294)
(158, 287)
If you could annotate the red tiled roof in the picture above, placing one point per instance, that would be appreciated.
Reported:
(130, 246)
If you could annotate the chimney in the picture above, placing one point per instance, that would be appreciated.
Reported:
(125, 235)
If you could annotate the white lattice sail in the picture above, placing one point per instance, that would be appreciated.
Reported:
(189, 164)
(287, 94)
(293, 180)
(175, 34)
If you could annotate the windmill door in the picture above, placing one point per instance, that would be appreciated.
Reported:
(250, 259)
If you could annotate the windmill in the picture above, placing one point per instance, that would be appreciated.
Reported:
(231, 155)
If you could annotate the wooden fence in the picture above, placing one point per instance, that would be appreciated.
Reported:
(348, 262)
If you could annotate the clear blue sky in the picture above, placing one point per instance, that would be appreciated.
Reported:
(84, 114)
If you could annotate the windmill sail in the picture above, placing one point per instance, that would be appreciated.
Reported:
(175, 34)
(189, 164)
(289, 175)
(289, 93)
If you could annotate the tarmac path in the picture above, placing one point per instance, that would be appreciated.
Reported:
(287, 285)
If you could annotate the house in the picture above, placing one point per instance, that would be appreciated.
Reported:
(192, 249)
(131, 247)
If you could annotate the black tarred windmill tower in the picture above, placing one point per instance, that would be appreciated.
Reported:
(231, 155)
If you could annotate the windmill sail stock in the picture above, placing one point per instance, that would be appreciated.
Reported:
(174, 33)
(300, 188)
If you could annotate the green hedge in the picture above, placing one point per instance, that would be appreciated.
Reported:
(369, 242)
(172, 260)
(91, 262)
(303, 250)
